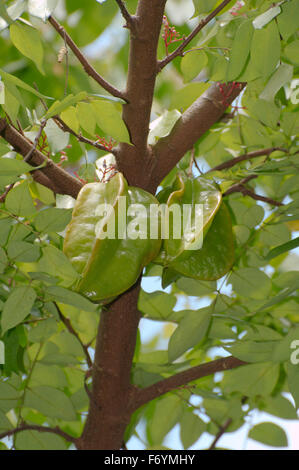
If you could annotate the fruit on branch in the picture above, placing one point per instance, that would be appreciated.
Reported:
(206, 249)
(97, 241)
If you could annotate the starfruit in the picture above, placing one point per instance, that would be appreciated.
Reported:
(196, 202)
(215, 256)
(108, 265)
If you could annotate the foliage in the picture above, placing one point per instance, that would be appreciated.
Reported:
(48, 331)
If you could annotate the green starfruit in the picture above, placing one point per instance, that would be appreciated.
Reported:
(192, 203)
(216, 256)
(98, 243)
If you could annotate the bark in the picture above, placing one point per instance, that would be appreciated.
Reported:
(112, 396)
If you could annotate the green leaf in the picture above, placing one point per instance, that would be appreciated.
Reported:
(69, 116)
(27, 40)
(191, 330)
(252, 351)
(196, 288)
(17, 307)
(265, 18)
(55, 263)
(265, 111)
(35, 440)
(52, 220)
(60, 294)
(60, 106)
(251, 380)
(10, 169)
(23, 251)
(184, 97)
(156, 305)
(288, 19)
(191, 428)
(19, 201)
(265, 59)
(50, 402)
(278, 250)
(291, 52)
(192, 63)
(251, 282)
(281, 76)
(167, 412)
(162, 126)
(269, 434)
(57, 138)
(240, 50)
(7, 77)
(109, 119)
(86, 117)
(203, 6)
(280, 406)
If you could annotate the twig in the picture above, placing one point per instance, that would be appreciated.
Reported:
(82, 59)
(130, 24)
(70, 328)
(241, 188)
(55, 178)
(63, 126)
(66, 65)
(245, 157)
(169, 384)
(202, 24)
(222, 430)
(33, 427)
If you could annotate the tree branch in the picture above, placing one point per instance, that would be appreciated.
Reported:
(241, 188)
(110, 398)
(222, 430)
(50, 175)
(194, 122)
(202, 24)
(82, 59)
(245, 157)
(182, 378)
(135, 160)
(33, 427)
(65, 128)
(130, 23)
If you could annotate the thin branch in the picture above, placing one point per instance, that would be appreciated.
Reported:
(64, 127)
(70, 328)
(202, 24)
(241, 188)
(83, 60)
(33, 427)
(245, 157)
(50, 175)
(193, 123)
(130, 24)
(222, 430)
(147, 394)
